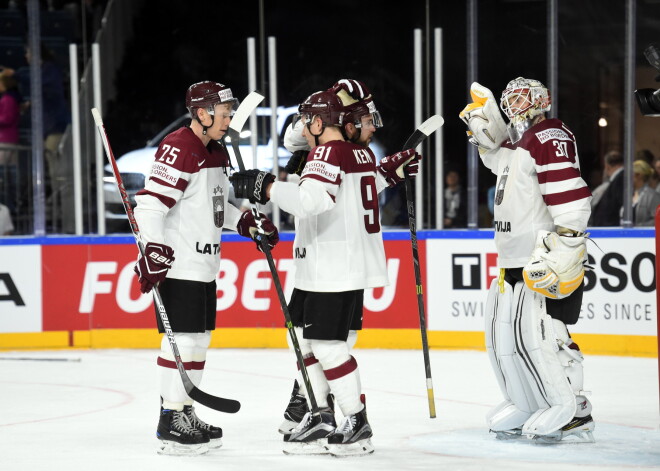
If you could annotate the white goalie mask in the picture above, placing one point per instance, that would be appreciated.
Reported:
(522, 101)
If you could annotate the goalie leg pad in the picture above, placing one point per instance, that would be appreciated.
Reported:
(519, 402)
(538, 345)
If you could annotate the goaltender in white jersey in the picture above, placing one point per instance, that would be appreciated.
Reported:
(542, 206)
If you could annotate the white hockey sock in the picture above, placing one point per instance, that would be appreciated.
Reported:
(171, 388)
(196, 371)
(345, 384)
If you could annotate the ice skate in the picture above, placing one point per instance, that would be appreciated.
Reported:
(310, 436)
(513, 434)
(295, 411)
(353, 436)
(578, 430)
(177, 435)
(214, 433)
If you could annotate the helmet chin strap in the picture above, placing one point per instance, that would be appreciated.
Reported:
(205, 128)
(316, 136)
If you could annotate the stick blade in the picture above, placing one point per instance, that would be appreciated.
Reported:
(230, 406)
(244, 111)
(424, 130)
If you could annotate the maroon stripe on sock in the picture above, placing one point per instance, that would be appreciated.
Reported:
(188, 365)
(341, 370)
(308, 361)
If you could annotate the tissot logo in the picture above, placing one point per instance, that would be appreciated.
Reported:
(465, 271)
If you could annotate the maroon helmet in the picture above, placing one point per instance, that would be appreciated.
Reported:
(326, 105)
(356, 89)
(208, 94)
(360, 102)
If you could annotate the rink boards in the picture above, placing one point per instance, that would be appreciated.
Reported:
(81, 292)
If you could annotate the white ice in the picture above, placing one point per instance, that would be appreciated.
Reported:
(100, 413)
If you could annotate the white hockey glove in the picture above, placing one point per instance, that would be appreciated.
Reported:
(556, 268)
(487, 129)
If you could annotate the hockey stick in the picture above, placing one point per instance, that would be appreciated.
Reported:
(217, 403)
(424, 130)
(235, 127)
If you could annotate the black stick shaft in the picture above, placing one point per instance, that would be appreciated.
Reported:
(234, 135)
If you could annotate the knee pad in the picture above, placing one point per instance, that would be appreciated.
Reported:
(331, 353)
(519, 402)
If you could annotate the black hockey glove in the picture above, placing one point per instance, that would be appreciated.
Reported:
(297, 162)
(252, 184)
(247, 227)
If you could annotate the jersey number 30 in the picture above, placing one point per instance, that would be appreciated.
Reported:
(370, 203)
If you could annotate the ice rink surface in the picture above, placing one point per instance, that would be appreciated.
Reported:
(100, 413)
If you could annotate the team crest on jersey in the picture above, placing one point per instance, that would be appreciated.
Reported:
(218, 206)
(501, 184)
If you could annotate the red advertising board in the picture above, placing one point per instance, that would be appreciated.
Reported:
(93, 286)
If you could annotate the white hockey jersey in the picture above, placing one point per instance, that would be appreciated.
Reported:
(539, 186)
(184, 204)
(339, 243)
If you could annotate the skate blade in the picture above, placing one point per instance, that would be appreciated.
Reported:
(509, 435)
(359, 448)
(316, 447)
(287, 427)
(166, 447)
(215, 443)
(584, 435)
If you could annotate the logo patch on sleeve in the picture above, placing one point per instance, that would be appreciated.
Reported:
(165, 173)
(552, 133)
(322, 169)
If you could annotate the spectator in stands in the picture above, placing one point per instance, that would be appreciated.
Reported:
(455, 209)
(607, 210)
(56, 114)
(645, 199)
(6, 226)
(9, 118)
(654, 182)
(646, 155)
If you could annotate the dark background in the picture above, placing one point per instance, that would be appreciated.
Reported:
(178, 43)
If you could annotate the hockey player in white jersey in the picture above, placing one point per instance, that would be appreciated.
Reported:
(542, 206)
(361, 120)
(181, 213)
(338, 253)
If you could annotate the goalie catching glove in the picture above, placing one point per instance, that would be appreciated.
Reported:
(252, 184)
(487, 129)
(400, 165)
(247, 227)
(152, 267)
(556, 268)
